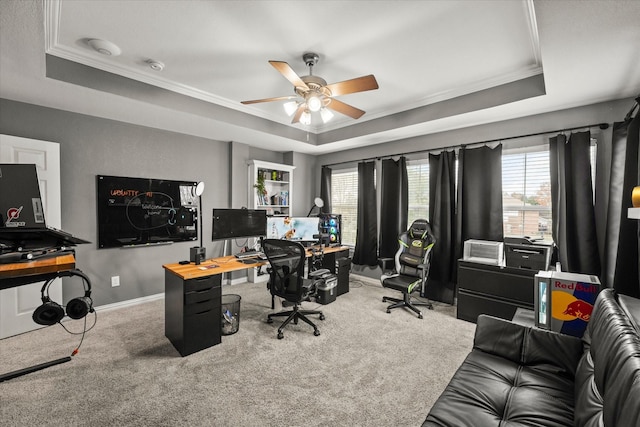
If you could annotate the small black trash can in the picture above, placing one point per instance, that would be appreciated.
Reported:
(230, 314)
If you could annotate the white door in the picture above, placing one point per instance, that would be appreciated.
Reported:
(17, 304)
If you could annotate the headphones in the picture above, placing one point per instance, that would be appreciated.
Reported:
(50, 312)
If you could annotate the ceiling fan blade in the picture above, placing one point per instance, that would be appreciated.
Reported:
(279, 98)
(359, 84)
(298, 114)
(288, 73)
(345, 109)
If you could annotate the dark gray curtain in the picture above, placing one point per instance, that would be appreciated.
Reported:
(479, 214)
(572, 209)
(441, 284)
(325, 189)
(620, 264)
(394, 205)
(366, 249)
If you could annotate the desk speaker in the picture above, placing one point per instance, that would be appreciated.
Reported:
(197, 254)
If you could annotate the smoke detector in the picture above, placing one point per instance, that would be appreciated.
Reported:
(104, 47)
(155, 65)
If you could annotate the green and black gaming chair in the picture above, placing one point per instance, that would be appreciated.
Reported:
(411, 264)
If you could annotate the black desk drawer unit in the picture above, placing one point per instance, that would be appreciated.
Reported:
(192, 312)
(494, 290)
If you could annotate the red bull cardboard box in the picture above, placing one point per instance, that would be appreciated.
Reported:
(564, 301)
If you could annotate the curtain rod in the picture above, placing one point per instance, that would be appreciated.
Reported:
(600, 125)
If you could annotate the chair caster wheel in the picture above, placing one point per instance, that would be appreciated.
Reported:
(280, 335)
(384, 299)
(420, 316)
(269, 320)
(316, 332)
(388, 311)
(322, 317)
(295, 321)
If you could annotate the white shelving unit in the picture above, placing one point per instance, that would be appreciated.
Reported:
(278, 183)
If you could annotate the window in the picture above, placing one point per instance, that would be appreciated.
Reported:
(526, 194)
(526, 191)
(418, 177)
(344, 201)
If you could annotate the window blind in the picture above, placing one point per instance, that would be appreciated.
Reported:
(344, 201)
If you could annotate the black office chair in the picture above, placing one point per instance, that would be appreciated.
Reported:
(286, 280)
(411, 265)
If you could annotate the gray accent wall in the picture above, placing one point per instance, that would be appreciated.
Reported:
(90, 146)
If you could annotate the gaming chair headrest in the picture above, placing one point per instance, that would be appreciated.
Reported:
(420, 227)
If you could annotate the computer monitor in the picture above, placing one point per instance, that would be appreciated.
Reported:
(238, 223)
(299, 229)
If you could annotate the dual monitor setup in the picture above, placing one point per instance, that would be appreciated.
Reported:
(246, 223)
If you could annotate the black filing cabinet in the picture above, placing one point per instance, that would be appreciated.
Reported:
(494, 290)
(192, 312)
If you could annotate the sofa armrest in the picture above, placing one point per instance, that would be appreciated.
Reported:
(527, 345)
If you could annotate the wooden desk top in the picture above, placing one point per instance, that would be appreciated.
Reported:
(41, 266)
(225, 264)
(210, 267)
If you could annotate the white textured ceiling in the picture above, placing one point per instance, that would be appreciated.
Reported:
(423, 54)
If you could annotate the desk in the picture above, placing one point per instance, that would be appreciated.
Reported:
(192, 307)
(22, 273)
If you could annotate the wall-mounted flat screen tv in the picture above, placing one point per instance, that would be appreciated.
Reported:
(238, 223)
(144, 211)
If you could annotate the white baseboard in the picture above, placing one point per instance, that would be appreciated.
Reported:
(131, 302)
(365, 278)
(149, 298)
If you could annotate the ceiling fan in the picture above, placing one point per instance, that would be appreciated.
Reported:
(316, 94)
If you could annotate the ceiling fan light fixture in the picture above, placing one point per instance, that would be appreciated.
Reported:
(290, 107)
(314, 103)
(326, 115)
(305, 118)
(315, 95)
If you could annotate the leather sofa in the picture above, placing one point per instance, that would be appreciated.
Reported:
(525, 376)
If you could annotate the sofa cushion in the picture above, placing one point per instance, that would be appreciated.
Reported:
(515, 376)
(527, 345)
(488, 390)
(608, 377)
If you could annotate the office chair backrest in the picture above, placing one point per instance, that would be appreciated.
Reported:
(286, 260)
(415, 248)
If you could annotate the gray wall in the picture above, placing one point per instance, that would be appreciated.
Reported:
(606, 112)
(303, 181)
(90, 146)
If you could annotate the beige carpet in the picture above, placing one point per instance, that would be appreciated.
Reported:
(367, 368)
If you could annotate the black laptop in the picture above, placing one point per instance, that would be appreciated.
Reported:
(22, 219)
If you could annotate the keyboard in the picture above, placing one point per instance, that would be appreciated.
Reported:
(248, 254)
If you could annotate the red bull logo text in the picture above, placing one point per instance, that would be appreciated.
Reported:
(575, 286)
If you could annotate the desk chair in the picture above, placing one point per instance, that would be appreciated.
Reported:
(286, 280)
(411, 264)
